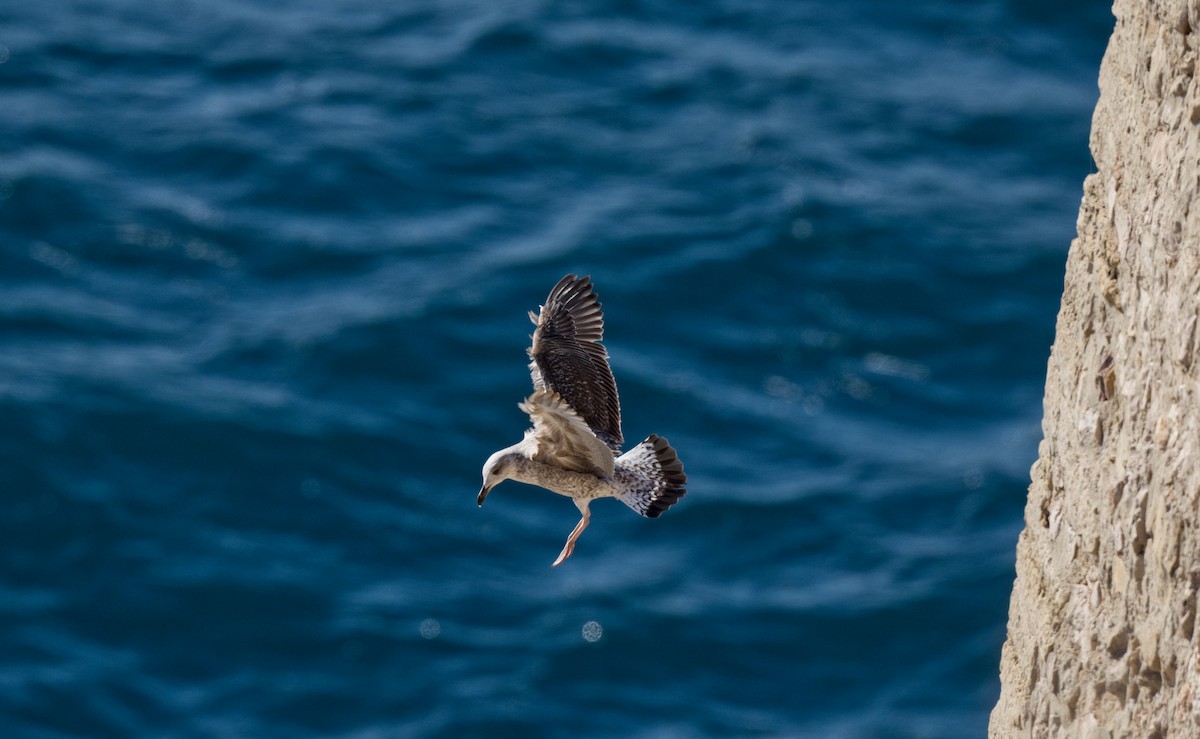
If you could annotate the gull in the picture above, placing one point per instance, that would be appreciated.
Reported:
(574, 447)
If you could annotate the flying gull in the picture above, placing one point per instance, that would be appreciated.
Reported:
(574, 447)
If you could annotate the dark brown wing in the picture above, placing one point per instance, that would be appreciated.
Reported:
(568, 358)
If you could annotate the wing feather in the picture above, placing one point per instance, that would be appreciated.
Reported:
(568, 358)
(561, 437)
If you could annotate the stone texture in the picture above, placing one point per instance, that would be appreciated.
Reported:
(1102, 638)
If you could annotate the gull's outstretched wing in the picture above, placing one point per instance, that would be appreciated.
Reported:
(561, 438)
(569, 359)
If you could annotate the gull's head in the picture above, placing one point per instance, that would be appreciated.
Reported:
(498, 468)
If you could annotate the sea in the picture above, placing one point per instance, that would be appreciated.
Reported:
(265, 269)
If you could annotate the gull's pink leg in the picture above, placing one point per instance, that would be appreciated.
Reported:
(579, 527)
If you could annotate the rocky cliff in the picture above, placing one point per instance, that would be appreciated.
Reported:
(1102, 637)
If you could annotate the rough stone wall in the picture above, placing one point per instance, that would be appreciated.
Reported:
(1102, 637)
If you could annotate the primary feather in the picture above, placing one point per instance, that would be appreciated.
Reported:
(568, 358)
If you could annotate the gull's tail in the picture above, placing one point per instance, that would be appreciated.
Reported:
(657, 480)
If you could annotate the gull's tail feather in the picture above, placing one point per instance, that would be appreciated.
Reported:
(658, 478)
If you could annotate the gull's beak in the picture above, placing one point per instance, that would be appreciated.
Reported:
(483, 491)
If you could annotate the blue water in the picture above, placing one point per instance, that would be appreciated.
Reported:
(264, 269)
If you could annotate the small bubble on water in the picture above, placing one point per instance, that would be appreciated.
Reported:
(802, 229)
(973, 479)
(592, 631)
(430, 628)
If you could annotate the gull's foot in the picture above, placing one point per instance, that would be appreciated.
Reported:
(566, 552)
(579, 527)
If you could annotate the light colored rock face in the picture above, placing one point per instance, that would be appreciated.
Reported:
(1102, 637)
